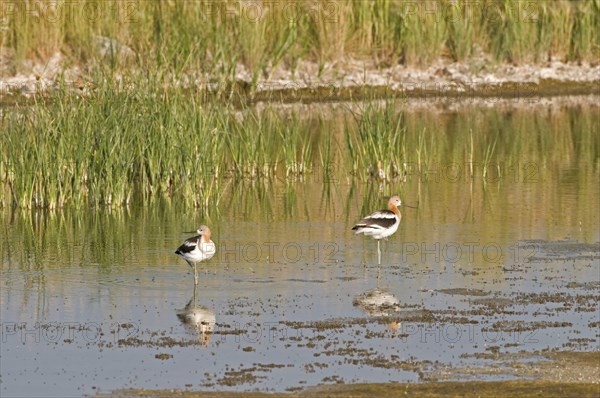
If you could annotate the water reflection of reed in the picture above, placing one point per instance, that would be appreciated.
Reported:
(382, 143)
(554, 186)
(198, 320)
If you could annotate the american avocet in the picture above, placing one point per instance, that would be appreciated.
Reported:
(198, 248)
(382, 223)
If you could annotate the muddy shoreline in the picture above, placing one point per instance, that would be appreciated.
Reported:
(463, 390)
(546, 387)
(558, 374)
(352, 80)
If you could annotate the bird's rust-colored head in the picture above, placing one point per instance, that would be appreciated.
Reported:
(203, 231)
(394, 202)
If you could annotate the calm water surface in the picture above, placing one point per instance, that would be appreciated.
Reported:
(96, 300)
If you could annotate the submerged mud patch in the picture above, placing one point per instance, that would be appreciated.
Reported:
(464, 292)
(556, 366)
(561, 250)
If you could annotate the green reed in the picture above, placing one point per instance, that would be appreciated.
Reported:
(296, 146)
(215, 36)
(385, 143)
(120, 146)
(373, 144)
(106, 149)
(327, 152)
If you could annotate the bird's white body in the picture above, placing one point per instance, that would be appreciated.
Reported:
(196, 249)
(201, 251)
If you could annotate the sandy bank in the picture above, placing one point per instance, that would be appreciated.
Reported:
(340, 81)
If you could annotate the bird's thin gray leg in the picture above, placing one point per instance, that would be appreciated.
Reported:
(378, 253)
(195, 275)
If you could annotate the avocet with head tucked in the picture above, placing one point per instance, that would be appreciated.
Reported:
(382, 223)
(198, 248)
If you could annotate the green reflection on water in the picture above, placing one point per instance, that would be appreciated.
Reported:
(541, 182)
(135, 152)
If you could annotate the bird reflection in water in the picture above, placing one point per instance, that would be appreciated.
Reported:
(198, 320)
(379, 303)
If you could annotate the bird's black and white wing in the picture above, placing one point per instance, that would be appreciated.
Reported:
(188, 246)
(376, 222)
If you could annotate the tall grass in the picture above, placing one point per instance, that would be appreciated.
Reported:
(385, 143)
(213, 37)
(105, 149)
(373, 146)
(118, 147)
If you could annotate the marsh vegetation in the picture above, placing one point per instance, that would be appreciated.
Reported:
(117, 148)
(213, 37)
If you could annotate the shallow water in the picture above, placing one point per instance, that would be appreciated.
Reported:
(96, 300)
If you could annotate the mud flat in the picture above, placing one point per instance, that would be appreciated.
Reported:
(350, 80)
(356, 80)
(513, 366)
(565, 374)
(557, 374)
